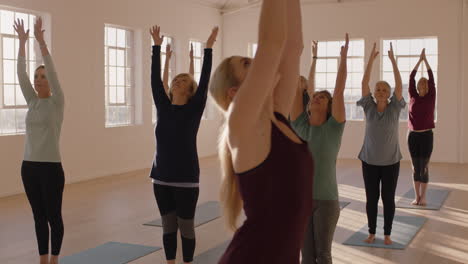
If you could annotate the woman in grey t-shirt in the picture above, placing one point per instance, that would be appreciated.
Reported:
(380, 153)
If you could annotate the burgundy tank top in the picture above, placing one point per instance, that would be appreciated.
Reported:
(277, 198)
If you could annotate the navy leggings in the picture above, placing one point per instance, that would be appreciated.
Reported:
(420, 146)
(44, 183)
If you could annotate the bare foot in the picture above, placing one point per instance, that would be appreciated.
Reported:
(370, 239)
(422, 201)
(388, 240)
(415, 201)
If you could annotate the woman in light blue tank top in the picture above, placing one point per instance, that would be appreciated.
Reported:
(380, 153)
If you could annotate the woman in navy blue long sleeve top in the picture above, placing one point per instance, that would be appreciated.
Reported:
(175, 170)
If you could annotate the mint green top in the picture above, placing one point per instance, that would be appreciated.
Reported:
(44, 117)
(324, 143)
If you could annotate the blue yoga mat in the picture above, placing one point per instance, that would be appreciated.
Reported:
(110, 253)
(435, 199)
(404, 230)
(204, 213)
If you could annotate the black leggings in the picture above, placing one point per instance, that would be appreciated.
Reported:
(420, 146)
(373, 175)
(177, 207)
(44, 183)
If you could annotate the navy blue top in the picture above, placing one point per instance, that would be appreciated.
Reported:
(176, 157)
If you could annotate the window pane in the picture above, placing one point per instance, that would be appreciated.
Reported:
(433, 62)
(332, 65)
(24, 17)
(321, 65)
(9, 48)
(197, 65)
(388, 77)
(112, 94)
(121, 76)
(431, 46)
(7, 19)
(387, 64)
(357, 65)
(357, 48)
(356, 80)
(9, 71)
(403, 64)
(333, 48)
(386, 46)
(19, 96)
(320, 80)
(20, 120)
(9, 95)
(8, 121)
(32, 54)
(120, 58)
(129, 59)
(112, 57)
(112, 76)
(32, 20)
(121, 38)
(111, 36)
(120, 94)
(331, 80)
(322, 49)
(416, 46)
(402, 47)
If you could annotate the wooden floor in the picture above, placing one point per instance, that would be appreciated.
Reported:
(113, 209)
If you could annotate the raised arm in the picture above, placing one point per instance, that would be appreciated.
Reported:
(368, 72)
(285, 91)
(23, 78)
(396, 73)
(412, 82)
(255, 92)
(298, 104)
(157, 86)
(313, 66)
(431, 81)
(51, 73)
(338, 105)
(166, 68)
(202, 90)
(191, 67)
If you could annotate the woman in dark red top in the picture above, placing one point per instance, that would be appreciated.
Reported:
(421, 123)
(267, 168)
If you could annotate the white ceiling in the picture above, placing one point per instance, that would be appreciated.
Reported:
(231, 5)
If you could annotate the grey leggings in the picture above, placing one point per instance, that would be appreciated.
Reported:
(320, 230)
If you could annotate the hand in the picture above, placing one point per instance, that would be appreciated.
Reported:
(391, 55)
(374, 52)
(211, 40)
(315, 49)
(38, 31)
(345, 48)
(19, 28)
(191, 51)
(423, 54)
(155, 33)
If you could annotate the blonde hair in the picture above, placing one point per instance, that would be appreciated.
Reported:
(223, 78)
(193, 86)
(423, 80)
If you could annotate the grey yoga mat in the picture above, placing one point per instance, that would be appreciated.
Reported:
(213, 255)
(404, 230)
(110, 253)
(435, 199)
(343, 205)
(205, 213)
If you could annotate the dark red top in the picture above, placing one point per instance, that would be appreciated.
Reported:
(277, 199)
(421, 108)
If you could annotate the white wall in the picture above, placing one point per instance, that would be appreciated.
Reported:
(465, 81)
(375, 20)
(88, 149)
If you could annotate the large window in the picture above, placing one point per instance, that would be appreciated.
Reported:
(167, 41)
(407, 53)
(252, 50)
(328, 62)
(13, 106)
(119, 76)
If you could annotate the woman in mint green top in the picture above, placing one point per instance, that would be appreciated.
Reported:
(322, 125)
(41, 170)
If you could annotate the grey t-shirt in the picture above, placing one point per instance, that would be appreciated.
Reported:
(44, 117)
(381, 146)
